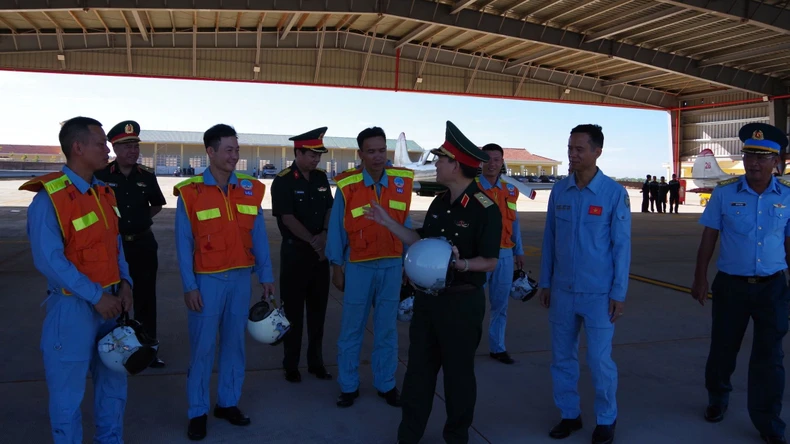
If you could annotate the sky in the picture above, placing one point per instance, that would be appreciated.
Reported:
(637, 142)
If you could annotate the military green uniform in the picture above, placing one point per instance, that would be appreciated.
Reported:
(446, 328)
(136, 194)
(304, 279)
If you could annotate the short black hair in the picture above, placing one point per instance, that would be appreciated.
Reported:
(214, 135)
(74, 130)
(493, 147)
(594, 131)
(367, 133)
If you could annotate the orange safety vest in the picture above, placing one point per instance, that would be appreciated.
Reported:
(367, 239)
(506, 201)
(88, 223)
(221, 225)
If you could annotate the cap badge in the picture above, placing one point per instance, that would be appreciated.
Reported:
(757, 135)
(129, 129)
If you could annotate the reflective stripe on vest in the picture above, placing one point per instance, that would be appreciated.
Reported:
(247, 209)
(511, 205)
(359, 211)
(395, 205)
(212, 213)
(85, 221)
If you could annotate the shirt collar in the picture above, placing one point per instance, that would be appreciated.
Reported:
(487, 185)
(773, 186)
(79, 182)
(369, 180)
(594, 185)
(208, 179)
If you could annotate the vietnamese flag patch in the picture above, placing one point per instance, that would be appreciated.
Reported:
(595, 210)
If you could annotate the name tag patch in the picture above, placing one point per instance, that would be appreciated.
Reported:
(738, 204)
(562, 207)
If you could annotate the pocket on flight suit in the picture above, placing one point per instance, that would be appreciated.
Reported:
(70, 330)
(563, 226)
(778, 218)
(735, 219)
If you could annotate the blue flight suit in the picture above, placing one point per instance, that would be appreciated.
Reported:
(376, 282)
(753, 229)
(226, 304)
(71, 329)
(585, 261)
(500, 281)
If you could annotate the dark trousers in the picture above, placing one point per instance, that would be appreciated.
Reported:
(674, 201)
(652, 203)
(304, 283)
(734, 302)
(645, 202)
(141, 255)
(445, 332)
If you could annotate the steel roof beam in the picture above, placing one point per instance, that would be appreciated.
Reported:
(746, 54)
(636, 23)
(756, 13)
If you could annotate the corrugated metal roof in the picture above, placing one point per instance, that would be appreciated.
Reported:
(268, 140)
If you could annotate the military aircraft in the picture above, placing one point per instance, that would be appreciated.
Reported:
(425, 172)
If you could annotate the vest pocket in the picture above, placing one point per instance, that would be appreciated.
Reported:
(94, 254)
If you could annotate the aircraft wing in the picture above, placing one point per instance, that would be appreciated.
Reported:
(528, 189)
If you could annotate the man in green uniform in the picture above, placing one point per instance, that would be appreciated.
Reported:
(301, 202)
(139, 200)
(446, 328)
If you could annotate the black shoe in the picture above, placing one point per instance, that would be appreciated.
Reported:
(502, 357)
(603, 434)
(158, 363)
(232, 414)
(197, 428)
(293, 376)
(715, 412)
(319, 372)
(773, 439)
(566, 427)
(347, 399)
(392, 397)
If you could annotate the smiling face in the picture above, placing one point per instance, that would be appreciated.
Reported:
(226, 156)
(759, 167)
(582, 155)
(492, 168)
(126, 154)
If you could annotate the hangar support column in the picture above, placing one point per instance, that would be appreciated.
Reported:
(777, 116)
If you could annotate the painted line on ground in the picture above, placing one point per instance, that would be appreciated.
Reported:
(664, 284)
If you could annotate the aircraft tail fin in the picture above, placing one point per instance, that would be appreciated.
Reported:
(706, 166)
(401, 152)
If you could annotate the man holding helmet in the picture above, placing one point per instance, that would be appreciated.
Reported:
(73, 209)
(220, 240)
(446, 327)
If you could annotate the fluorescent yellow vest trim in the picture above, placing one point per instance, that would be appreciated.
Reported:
(212, 213)
(56, 185)
(85, 221)
(395, 205)
(356, 212)
(511, 205)
(247, 209)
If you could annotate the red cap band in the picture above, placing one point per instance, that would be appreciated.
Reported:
(461, 156)
(313, 143)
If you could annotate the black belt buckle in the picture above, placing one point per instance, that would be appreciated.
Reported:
(128, 237)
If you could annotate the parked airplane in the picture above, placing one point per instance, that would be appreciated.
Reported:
(706, 173)
(425, 172)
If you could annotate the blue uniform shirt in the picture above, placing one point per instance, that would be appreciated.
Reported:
(752, 227)
(337, 250)
(46, 243)
(185, 242)
(518, 249)
(587, 239)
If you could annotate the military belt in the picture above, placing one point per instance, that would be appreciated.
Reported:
(758, 279)
(134, 237)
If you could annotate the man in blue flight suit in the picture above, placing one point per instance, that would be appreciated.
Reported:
(751, 213)
(376, 281)
(79, 309)
(220, 240)
(510, 257)
(584, 278)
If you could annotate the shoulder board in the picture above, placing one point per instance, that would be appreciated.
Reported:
(284, 172)
(728, 181)
(145, 168)
(484, 200)
(784, 182)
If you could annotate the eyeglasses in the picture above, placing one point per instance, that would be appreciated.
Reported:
(760, 158)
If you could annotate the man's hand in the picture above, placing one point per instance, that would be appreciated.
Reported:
(544, 296)
(125, 293)
(318, 243)
(378, 214)
(615, 309)
(699, 290)
(338, 278)
(518, 262)
(109, 306)
(193, 300)
(268, 289)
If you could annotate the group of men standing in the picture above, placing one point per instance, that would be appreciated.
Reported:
(89, 228)
(654, 194)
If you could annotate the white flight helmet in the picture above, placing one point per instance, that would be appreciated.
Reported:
(427, 264)
(127, 349)
(406, 306)
(524, 287)
(267, 322)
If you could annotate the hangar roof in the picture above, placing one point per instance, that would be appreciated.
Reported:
(647, 52)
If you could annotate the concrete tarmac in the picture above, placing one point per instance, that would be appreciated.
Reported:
(660, 347)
